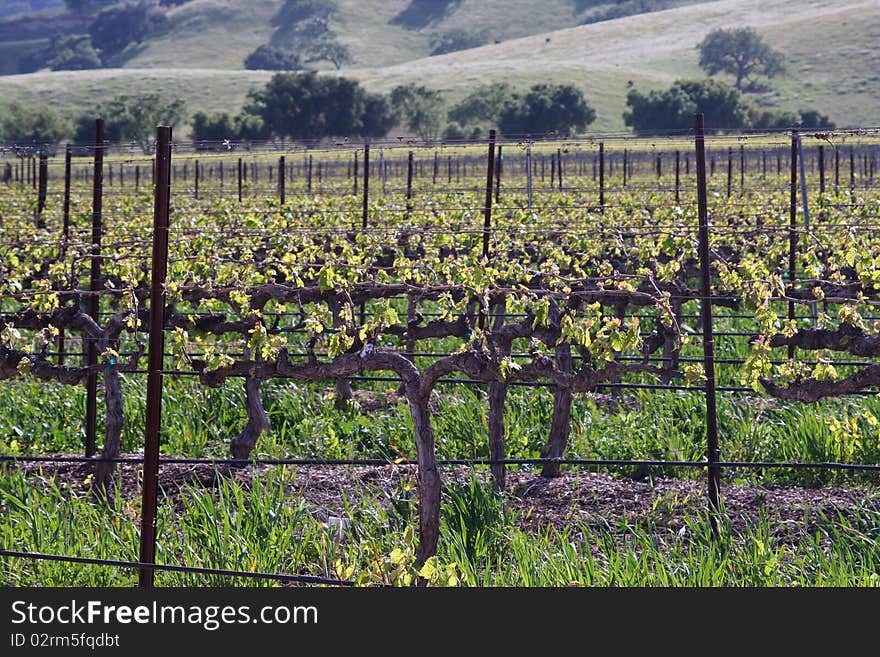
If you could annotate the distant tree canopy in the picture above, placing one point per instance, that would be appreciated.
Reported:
(805, 119)
(544, 108)
(70, 53)
(21, 124)
(269, 58)
(329, 50)
(295, 11)
(606, 11)
(740, 52)
(547, 108)
(117, 26)
(484, 104)
(455, 40)
(674, 108)
(216, 129)
(723, 107)
(813, 120)
(421, 13)
(131, 119)
(309, 106)
(419, 108)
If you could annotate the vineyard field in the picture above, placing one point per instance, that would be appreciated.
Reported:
(372, 333)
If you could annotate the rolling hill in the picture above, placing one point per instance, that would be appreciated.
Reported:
(832, 61)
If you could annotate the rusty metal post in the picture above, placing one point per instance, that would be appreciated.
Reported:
(365, 211)
(409, 182)
(487, 213)
(729, 170)
(529, 173)
(559, 167)
(601, 176)
(282, 180)
(852, 170)
(498, 165)
(355, 176)
(677, 177)
(792, 225)
(487, 208)
(712, 451)
(65, 213)
(65, 233)
(149, 504)
(240, 176)
(95, 287)
(41, 189)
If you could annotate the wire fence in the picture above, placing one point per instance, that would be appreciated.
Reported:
(527, 174)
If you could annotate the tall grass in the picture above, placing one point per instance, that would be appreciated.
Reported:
(260, 526)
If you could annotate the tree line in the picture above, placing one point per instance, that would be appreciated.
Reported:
(308, 106)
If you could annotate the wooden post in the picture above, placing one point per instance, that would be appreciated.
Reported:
(487, 214)
(559, 167)
(498, 175)
(409, 182)
(43, 183)
(792, 226)
(95, 287)
(149, 500)
(677, 177)
(712, 450)
(729, 170)
(282, 180)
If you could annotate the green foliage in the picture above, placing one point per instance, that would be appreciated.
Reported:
(420, 108)
(812, 120)
(808, 119)
(741, 53)
(309, 106)
(455, 40)
(269, 58)
(71, 53)
(118, 26)
(330, 50)
(546, 108)
(674, 108)
(295, 11)
(217, 128)
(21, 124)
(421, 13)
(484, 105)
(132, 119)
(609, 11)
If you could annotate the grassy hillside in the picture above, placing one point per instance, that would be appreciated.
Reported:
(220, 33)
(829, 46)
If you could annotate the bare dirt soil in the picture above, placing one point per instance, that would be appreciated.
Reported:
(578, 500)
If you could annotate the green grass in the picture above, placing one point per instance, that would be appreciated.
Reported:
(481, 543)
(828, 46)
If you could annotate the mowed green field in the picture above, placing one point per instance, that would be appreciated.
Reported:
(832, 64)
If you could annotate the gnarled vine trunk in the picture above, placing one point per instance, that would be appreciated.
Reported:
(114, 419)
(428, 474)
(243, 444)
(560, 425)
(497, 452)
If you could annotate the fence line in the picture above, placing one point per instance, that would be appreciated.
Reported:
(163, 172)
